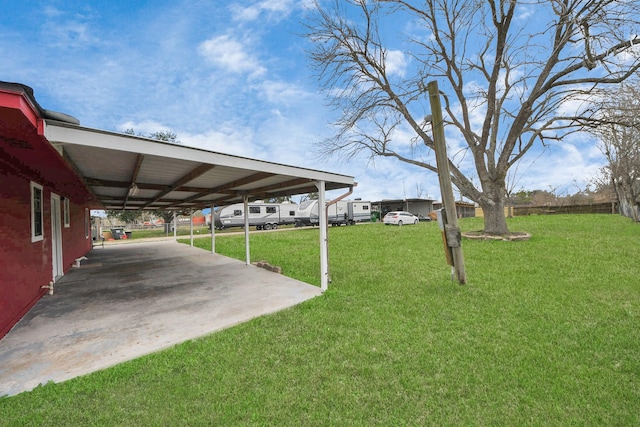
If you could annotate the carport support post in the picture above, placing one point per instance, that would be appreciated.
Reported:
(247, 255)
(324, 247)
(191, 225)
(175, 225)
(213, 230)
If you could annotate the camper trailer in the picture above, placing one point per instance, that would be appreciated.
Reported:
(343, 212)
(359, 211)
(264, 216)
(307, 213)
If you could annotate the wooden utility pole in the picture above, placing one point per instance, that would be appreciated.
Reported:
(452, 236)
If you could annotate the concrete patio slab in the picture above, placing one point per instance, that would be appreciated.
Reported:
(126, 301)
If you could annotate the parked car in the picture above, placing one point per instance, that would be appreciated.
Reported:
(400, 218)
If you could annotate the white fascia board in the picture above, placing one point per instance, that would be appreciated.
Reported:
(61, 133)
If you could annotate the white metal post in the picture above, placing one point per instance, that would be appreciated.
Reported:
(324, 247)
(213, 230)
(175, 225)
(191, 225)
(246, 230)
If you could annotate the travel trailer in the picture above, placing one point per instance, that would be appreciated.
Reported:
(343, 212)
(264, 216)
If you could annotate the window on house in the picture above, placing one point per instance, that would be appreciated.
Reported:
(37, 223)
(67, 214)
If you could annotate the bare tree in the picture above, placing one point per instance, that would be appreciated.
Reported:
(508, 72)
(619, 133)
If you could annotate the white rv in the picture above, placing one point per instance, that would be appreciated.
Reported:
(343, 212)
(264, 216)
(307, 213)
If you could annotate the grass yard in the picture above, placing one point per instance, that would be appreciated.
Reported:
(547, 332)
(142, 233)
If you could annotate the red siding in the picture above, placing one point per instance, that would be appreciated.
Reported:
(25, 266)
(74, 242)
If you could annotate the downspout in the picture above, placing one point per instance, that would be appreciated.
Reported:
(347, 194)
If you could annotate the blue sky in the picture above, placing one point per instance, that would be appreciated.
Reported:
(226, 76)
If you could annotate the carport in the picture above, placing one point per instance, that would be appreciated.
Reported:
(133, 299)
(131, 172)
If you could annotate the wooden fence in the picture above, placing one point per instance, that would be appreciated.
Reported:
(599, 208)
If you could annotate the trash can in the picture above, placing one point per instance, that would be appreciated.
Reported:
(118, 233)
(128, 234)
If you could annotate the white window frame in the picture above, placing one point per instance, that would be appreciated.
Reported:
(67, 213)
(33, 187)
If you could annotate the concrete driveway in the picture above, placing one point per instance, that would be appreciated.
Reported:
(129, 300)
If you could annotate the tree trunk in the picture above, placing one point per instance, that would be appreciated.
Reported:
(495, 221)
(627, 199)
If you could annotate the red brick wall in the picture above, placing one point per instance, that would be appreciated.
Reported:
(74, 242)
(25, 266)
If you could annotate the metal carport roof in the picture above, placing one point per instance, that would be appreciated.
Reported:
(131, 172)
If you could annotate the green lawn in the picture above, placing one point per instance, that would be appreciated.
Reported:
(142, 233)
(547, 332)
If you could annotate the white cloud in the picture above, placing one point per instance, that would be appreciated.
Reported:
(565, 167)
(71, 34)
(524, 13)
(396, 63)
(230, 54)
(245, 14)
(279, 92)
(275, 9)
(51, 12)
(229, 138)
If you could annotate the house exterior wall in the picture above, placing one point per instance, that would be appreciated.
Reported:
(25, 263)
(22, 263)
